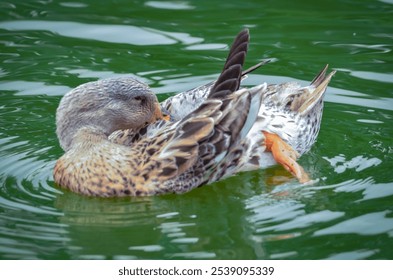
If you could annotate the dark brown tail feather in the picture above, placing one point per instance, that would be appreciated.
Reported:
(230, 77)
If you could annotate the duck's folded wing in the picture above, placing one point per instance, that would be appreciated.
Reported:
(201, 140)
(198, 147)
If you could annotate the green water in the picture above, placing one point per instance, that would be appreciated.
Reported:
(49, 47)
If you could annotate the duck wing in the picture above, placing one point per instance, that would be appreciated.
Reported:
(198, 147)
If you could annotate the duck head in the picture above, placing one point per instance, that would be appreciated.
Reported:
(96, 109)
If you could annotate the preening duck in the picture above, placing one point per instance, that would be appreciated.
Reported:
(119, 141)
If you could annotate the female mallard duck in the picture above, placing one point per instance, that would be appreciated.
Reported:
(118, 141)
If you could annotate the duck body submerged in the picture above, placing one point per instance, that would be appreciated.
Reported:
(118, 141)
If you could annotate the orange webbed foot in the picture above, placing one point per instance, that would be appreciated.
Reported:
(285, 155)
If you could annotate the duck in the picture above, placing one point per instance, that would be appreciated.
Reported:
(118, 140)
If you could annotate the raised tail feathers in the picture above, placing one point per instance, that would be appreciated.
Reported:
(230, 76)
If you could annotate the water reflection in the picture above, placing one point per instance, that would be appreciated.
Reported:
(368, 224)
(169, 5)
(367, 75)
(171, 234)
(359, 163)
(141, 36)
(368, 188)
(73, 4)
(353, 255)
(304, 221)
(299, 213)
(357, 48)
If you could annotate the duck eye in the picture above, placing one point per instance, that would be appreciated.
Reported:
(139, 98)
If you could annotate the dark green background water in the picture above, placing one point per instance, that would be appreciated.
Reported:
(48, 47)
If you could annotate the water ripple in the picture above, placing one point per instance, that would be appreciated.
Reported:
(194, 255)
(141, 36)
(73, 4)
(147, 248)
(367, 75)
(353, 255)
(169, 5)
(368, 224)
(33, 88)
(305, 221)
(357, 48)
(23, 173)
(266, 211)
(358, 163)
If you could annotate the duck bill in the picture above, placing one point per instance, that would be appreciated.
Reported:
(159, 114)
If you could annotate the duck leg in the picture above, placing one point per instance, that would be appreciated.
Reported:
(285, 155)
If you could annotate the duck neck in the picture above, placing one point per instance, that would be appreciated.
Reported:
(82, 136)
(87, 137)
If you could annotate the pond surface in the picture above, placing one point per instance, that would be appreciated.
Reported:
(49, 47)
